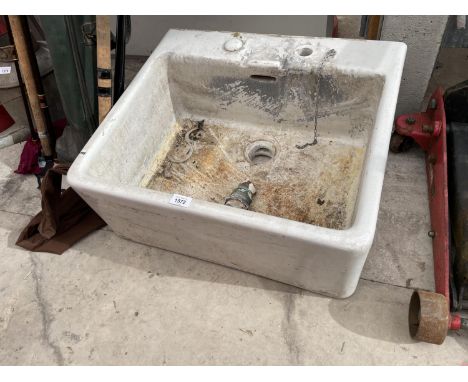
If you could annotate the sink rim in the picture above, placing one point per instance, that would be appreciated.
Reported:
(358, 237)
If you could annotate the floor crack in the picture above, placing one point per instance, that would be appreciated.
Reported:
(15, 213)
(289, 329)
(46, 320)
(389, 284)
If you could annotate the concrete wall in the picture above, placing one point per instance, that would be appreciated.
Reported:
(147, 31)
(348, 26)
(423, 35)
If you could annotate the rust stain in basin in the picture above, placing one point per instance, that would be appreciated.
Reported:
(316, 185)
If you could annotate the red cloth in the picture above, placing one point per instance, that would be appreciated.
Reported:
(29, 158)
(6, 120)
(59, 126)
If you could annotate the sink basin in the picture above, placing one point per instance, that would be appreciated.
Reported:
(306, 120)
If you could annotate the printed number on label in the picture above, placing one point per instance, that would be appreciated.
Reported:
(5, 69)
(180, 200)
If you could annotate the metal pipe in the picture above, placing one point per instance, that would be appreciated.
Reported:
(123, 26)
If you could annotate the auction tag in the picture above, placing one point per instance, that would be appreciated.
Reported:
(5, 69)
(180, 200)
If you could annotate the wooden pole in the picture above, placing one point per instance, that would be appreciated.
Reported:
(30, 83)
(24, 94)
(104, 80)
(373, 27)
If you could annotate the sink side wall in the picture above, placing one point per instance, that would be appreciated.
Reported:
(136, 128)
(225, 91)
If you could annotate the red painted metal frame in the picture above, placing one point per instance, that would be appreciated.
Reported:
(428, 129)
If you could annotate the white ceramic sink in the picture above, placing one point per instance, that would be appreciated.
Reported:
(306, 120)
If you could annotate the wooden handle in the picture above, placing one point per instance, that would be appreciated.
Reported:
(104, 80)
(373, 27)
(30, 83)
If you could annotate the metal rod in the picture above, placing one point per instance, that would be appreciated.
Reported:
(123, 31)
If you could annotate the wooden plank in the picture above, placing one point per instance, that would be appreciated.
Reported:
(103, 65)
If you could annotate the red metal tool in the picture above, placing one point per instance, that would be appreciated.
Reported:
(430, 315)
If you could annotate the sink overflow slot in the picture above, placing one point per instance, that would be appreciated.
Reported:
(260, 77)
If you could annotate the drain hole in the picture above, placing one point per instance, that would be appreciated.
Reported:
(260, 77)
(260, 152)
(260, 156)
(304, 52)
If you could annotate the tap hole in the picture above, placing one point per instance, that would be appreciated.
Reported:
(260, 77)
(304, 51)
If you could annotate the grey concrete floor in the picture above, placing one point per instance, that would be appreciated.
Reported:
(109, 301)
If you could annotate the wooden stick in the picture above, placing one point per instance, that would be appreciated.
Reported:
(373, 27)
(104, 80)
(30, 83)
(22, 87)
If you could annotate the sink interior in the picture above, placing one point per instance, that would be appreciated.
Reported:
(299, 135)
(315, 185)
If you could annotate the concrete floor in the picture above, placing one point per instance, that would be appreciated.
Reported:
(109, 301)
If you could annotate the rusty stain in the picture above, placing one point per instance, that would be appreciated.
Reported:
(317, 185)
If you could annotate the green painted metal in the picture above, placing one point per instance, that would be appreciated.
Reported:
(72, 44)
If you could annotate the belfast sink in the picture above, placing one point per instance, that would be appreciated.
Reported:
(306, 120)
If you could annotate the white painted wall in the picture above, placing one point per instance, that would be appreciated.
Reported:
(147, 31)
